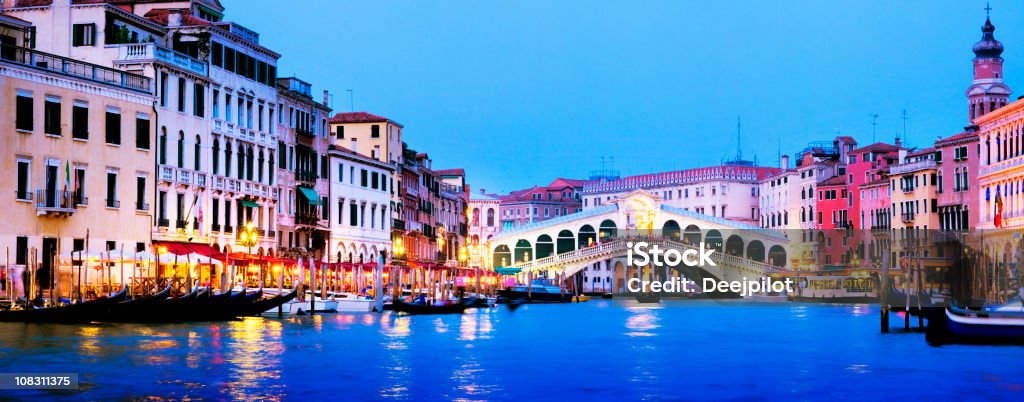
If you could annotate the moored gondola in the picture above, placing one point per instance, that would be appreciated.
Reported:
(268, 304)
(424, 308)
(83, 312)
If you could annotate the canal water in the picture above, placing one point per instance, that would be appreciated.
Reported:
(682, 350)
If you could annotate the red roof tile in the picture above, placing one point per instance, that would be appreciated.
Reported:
(834, 181)
(877, 147)
(962, 137)
(360, 117)
(451, 172)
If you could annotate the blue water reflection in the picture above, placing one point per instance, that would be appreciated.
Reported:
(597, 350)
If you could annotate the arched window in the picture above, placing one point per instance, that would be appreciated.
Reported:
(963, 179)
(181, 149)
(216, 155)
(249, 161)
(490, 217)
(198, 152)
(956, 180)
(241, 161)
(260, 167)
(227, 158)
(270, 172)
(163, 145)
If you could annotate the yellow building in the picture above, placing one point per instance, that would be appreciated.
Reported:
(77, 153)
(914, 203)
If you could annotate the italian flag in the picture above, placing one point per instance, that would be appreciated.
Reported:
(999, 211)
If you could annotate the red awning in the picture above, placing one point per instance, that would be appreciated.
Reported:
(182, 248)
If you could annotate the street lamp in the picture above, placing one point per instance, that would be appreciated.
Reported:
(249, 237)
(398, 250)
(462, 255)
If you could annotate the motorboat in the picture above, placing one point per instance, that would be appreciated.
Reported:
(539, 291)
(349, 302)
(998, 325)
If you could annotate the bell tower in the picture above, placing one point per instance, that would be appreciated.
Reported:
(987, 92)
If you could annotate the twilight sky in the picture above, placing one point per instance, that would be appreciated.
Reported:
(522, 92)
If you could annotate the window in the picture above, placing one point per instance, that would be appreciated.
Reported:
(21, 251)
(83, 35)
(216, 156)
(363, 180)
(375, 181)
(375, 131)
(163, 146)
(142, 131)
(51, 116)
(140, 193)
(181, 149)
(181, 94)
(163, 89)
(341, 173)
(80, 120)
(198, 100)
(22, 191)
(112, 201)
(23, 115)
(113, 126)
(80, 186)
(197, 160)
(340, 132)
(217, 56)
(353, 215)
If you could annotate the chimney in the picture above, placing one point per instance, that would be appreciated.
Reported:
(325, 97)
(174, 18)
(898, 143)
(785, 162)
(354, 146)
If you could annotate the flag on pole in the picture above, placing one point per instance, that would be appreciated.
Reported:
(67, 179)
(999, 211)
(199, 213)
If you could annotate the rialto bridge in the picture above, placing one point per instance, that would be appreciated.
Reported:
(598, 237)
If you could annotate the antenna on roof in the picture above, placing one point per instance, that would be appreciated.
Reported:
(905, 118)
(351, 100)
(739, 143)
(874, 125)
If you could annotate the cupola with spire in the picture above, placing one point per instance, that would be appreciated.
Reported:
(988, 46)
(987, 92)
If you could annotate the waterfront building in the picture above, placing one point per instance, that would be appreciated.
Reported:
(483, 224)
(816, 163)
(957, 161)
(778, 198)
(727, 191)
(539, 203)
(914, 184)
(215, 90)
(304, 171)
(865, 165)
(78, 153)
(360, 191)
(451, 216)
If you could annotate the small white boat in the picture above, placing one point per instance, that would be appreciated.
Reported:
(349, 302)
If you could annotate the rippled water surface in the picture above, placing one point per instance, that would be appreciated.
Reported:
(597, 350)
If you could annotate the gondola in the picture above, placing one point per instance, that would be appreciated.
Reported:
(178, 309)
(967, 326)
(267, 304)
(138, 307)
(83, 312)
(423, 308)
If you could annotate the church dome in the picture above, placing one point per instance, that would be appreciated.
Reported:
(988, 46)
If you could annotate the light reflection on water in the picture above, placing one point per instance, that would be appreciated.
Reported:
(597, 350)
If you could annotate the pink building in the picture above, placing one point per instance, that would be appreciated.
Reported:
(957, 171)
(540, 203)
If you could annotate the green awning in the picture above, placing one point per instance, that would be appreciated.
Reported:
(250, 204)
(507, 271)
(311, 195)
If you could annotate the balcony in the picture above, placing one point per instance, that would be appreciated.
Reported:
(23, 195)
(180, 224)
(397, 224)
(309, 219)
(306, 176)
(228, 229)
(74, 68)
(215, 227)
(143, 52)
(163, 222)
(166, 173)
(304, 132)
(55, 202)
(912, 167)
(907, 217)
(141, 206)
(113, 203)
